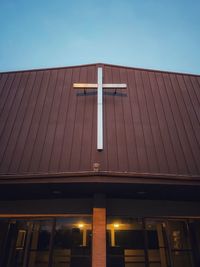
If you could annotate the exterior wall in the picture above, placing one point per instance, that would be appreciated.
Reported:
(123, 207)
(52, 206)
(151, 208)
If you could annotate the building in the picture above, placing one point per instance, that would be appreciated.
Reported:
(135, 202)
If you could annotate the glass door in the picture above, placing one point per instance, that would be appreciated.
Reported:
(180, 242)
(13, 242)
(72, 242)
(63, 242)
(125, 243)
(39, 244)
(153, 242)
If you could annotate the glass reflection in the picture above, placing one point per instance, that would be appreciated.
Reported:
(72, 242)
(180, 243)
(152, 242)
(126, 243)
(194, 229)
(156, 239)
(13, 242)
(130, 242)
(40, 243)
(45, 243)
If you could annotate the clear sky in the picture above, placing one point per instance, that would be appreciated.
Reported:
(157, 34)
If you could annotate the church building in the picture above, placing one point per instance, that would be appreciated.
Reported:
(99, 167)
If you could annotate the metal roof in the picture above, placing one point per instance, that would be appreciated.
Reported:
(151, 128)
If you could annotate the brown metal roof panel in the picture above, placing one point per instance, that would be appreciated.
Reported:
(163, 140)
(37, 153)
(190, 103)
(137, 123)
(63, 110)
(75, 153)
(197, 87)
(173, 142)
(174, 124)
(5, 86)
(110, 125)
(193, 97)
(120, 124)
(9, 115)
(18, 132)
(69, 123)
(153, 126)
(132, 155)
(7, 101)
(41, 85)
(52, 122)
(3, 80)
(27, 122)
(186, 133)
(148, 138)
(87, 131)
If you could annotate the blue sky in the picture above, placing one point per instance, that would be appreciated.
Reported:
(156, 34)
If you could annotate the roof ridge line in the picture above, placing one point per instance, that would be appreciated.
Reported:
(102, 64)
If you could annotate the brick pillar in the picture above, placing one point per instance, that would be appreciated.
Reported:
(99, 233)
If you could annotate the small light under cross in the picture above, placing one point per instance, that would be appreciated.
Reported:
(99, 86)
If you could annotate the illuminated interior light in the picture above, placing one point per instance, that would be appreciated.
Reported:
(116, 225)
(81, 225)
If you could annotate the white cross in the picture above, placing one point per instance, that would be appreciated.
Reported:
(99, 86)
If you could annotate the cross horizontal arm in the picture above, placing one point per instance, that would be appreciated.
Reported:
(85, 85)
(114, 85)
(95, 85)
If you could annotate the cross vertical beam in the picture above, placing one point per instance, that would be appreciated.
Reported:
(100, 110)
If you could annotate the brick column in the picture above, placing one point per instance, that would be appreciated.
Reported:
(99, 233)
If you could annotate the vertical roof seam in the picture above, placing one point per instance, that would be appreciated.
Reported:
(125, 135)
(25, 143)
(2, 87)
(158, 121)
(24, 115)
(6, 123)
(191, 125)
(169, 133)
(65, 123)
(70, 154)
(8, 113)
(39, 123)
(92, 141)
(49, 115)
(194, 110)
(149, 121)
(83, 127)
(198, 81)
(17, 115)
(115, 123)
(142, 127)
(8, 93)
(58, 112)
(175, 123)
(106, 131)
(134, 134)
(194, 88)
